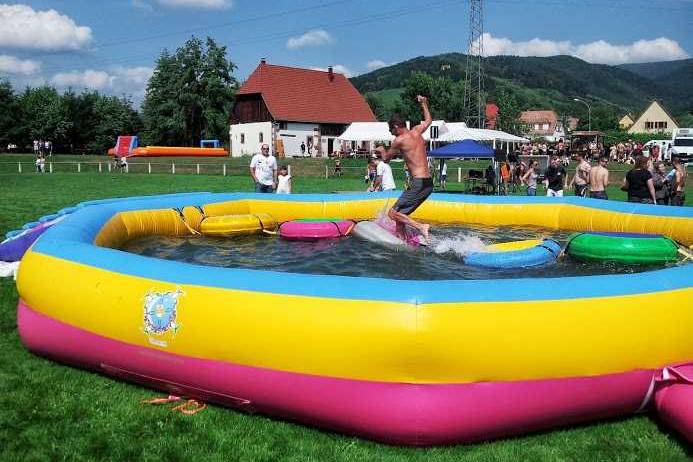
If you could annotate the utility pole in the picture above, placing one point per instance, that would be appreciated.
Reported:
(474, 97)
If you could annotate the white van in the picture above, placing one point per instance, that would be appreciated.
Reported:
(682, 142)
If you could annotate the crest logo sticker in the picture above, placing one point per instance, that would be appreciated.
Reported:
(161, 316)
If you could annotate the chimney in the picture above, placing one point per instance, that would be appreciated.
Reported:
(263, 60)
(330, 73)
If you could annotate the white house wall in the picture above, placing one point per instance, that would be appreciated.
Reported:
(250, 134)
(294, 134)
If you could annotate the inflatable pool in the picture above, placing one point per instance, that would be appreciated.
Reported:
(400, 361)
(629, 248)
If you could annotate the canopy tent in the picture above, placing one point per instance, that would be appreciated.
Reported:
(479, 134)
(467, 148)
(367, 131)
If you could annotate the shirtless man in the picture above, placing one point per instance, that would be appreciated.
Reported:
(412, 145)
(678, 195)
(582, 176)
(599, 179)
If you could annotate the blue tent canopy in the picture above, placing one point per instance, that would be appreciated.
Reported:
(464, 148)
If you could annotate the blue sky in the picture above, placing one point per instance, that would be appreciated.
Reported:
(111, 45)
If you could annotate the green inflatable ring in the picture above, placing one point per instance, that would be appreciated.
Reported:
(627, 248)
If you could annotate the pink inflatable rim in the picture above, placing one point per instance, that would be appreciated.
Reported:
(315, 230)
(396, 413)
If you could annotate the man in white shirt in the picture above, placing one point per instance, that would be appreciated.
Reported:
(384, 181)
(263, 170)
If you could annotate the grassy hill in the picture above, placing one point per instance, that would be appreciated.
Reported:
(552, 81)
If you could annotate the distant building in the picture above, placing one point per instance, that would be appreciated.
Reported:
(546, 124)
(654, 119)
(286, 106)
(626, 122)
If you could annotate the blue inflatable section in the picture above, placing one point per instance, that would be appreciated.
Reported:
(542, 254)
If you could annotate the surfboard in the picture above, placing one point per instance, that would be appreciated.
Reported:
(373, 232)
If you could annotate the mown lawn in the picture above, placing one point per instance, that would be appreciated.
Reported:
(53, 412)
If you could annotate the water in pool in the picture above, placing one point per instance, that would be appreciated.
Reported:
(352, 256)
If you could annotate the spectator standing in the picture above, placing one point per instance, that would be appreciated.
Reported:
(384, 181)
(370, 175)
(530, 178)
(638, 183)
(661, 184)
(555, 178)
(581, 179)
(337, 167)
(263, 170)
(678, 194)
(284, 183)
(505, 177)
(443, 174)
(599, 179)
(654, 153)
(303, 148)
(36, 148)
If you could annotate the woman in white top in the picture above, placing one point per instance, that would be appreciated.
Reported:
(530, 178)
(284, 181)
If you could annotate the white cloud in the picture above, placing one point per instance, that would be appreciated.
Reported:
(204, 4)
(599, 52)
(535, 47)
(13, 65)
(338, 69)
(375, 64)
(23, 27)
(312, 38)
(116, 81)
(642, 51)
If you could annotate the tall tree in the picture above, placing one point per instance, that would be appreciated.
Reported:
(189, 95)
(8, 113)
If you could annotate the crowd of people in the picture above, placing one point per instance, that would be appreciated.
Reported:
(649, 181)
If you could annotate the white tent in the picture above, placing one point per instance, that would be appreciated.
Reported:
(367, 131)
(462, 132)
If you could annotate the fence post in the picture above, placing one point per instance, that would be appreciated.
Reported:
(50, 167)
(149, 167)
(173, 168)
(327, 172)
(19, 167)
(79, 167)
(109, 167)
(127, 168)
(198, 169)
(289, 169)
(459, 174)
(100, 167)
(224, 169)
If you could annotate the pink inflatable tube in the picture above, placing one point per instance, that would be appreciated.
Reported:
(398, 413)
(302, 230)
(674, 398)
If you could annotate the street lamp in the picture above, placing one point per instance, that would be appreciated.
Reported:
(589, 112)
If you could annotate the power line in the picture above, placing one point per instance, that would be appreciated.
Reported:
(354, 22)
(224, 24)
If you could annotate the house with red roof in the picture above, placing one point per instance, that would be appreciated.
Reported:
(546, 124)
(285, 107)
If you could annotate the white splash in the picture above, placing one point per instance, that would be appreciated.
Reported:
(460, 245)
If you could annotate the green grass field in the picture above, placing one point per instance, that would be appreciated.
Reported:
(52, 412)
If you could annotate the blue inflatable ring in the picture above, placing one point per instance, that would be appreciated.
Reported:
(544, 252)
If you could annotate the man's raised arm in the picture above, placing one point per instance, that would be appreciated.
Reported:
(387, 154)
(423, 126)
